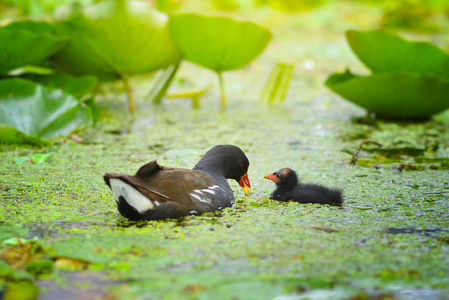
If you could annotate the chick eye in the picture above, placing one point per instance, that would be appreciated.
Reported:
(275, 174)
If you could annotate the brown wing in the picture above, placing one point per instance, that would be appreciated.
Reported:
(143, 180)
(176, 191)
(151, 168)
(174, 185)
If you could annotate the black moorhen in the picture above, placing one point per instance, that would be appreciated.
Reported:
(158, 192)
(289, 189)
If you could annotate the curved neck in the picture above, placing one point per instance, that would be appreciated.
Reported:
(213, 173)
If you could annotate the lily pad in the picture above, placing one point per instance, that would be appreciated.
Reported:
(39, 111)
(76, 86)
(11, 135)
(410, 80)
(394, 95)
(382, 51)
(25, 43)
(115, 39)
(218, 43)
(37, 27)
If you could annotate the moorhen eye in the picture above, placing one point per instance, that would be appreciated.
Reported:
(156, 192)
(289, 189)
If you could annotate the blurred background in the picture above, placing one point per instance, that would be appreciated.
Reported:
(307, 36)
(415, 15)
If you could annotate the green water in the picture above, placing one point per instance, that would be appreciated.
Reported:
(258, 249)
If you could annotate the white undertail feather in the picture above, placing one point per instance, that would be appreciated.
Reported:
(130, 194)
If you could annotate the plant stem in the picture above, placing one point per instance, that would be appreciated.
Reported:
(129, 94)
(162, 84)
(355, 157)
(196, 102)
(223, 96)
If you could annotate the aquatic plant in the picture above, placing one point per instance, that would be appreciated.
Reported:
(18, 38)
(39, 111)
(277, 83)
(116, 39)
(218, 43)
(40, 103)
(409, 80)
(35, 158)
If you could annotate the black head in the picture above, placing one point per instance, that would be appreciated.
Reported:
(228, 161)
(285, 177)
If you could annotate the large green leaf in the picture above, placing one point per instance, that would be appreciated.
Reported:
(76, 86)
(26, 42)
(218, 43)
(382, 51)
(37, 27)
(39, 111)
(13, 136)
(394, 95)
(115, 39)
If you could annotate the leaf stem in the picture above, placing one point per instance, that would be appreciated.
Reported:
(223, 95)
(162, 83)
(196, 101)
(355, 157)
(129, 93)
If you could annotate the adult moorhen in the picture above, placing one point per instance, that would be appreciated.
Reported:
(289, 189)
(158, 192)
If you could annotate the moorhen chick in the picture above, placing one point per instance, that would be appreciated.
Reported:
(288, 188)
(156, 192)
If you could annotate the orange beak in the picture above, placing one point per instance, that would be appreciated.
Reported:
(271, 177)
(245, 185)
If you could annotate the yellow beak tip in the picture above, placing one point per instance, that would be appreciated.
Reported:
(247, 190)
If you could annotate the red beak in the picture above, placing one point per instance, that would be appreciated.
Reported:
(245, 185)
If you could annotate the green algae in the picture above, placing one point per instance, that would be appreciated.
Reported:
(267, 248)
(259, 248)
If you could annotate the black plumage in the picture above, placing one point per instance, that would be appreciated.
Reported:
(288, 188)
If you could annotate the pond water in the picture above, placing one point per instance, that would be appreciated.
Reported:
(390, 238)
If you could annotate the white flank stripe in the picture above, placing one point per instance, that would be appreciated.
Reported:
(199, 198)
(196, 196)
(214, 187)
(209, 191)
(131, 195)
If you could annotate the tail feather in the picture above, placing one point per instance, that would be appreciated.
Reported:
(129, 197)
(127, 210)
